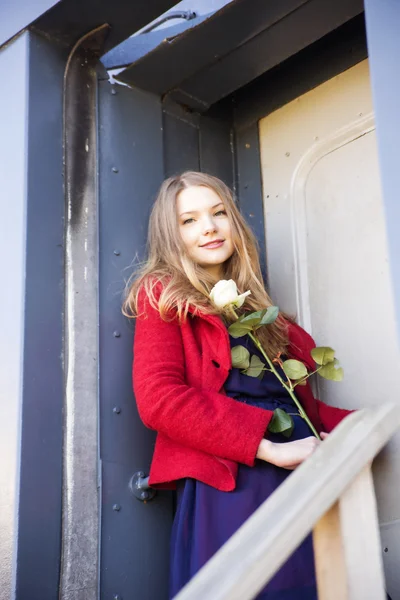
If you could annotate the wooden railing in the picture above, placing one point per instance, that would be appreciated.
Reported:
(331, 494)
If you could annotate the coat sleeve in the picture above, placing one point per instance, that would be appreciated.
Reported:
(205, 420)
(330, 416)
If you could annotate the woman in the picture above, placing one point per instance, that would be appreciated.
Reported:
(213, 445)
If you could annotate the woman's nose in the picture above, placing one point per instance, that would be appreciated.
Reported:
(209, 226)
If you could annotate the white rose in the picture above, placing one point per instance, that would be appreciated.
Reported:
(225, 293)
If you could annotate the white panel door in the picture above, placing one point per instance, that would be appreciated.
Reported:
(327, 256)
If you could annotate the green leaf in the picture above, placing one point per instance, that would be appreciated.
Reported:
(256, 366)
(253, 318)
(240, 357)
(281, 422)
(331, 371)
(294, 369)
(237, 330)
(269, 317)
(323, 355)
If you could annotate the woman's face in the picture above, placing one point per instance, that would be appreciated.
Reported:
(205, 228)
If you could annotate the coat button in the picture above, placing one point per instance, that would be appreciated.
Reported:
(215, 363)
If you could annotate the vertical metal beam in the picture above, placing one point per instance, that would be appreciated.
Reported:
(135, 535)
(249, 185)
(80, 539)
(382, 19)
(31, 250)
(41, 434)
(13, 145)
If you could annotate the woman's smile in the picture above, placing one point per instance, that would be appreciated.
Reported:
(213, 244)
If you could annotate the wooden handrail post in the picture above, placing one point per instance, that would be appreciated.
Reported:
(330, 566)
(348, 559)
(361, 540)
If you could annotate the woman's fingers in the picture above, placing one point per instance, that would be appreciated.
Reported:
(324, 435)
(291, 454)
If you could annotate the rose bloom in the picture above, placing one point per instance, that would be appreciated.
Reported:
(225, 293)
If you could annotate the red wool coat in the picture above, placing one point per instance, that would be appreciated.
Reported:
(178, 375)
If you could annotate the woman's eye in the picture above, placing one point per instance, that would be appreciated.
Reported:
(220, 212)
(188, 221)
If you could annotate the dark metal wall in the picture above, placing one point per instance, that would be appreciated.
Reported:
(135, 536)
(140, 142)
(198, 142)
(211, 143)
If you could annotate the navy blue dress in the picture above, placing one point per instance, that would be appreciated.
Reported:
(206, 517)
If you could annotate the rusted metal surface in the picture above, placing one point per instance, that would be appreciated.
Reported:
(81, 527)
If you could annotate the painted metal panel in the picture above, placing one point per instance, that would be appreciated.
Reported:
(135, 536)
(13, 145)
(382, 19)
(136, 46)
(176, 60)
(181, 149)
(202, 66)
(327, 251)
(275, 44)
(39, 524)
(216, 147)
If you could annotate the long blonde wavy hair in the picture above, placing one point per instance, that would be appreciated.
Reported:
(184, 283)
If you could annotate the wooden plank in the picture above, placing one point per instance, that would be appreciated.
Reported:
(249, 559)
(329, 556)
(361, 541)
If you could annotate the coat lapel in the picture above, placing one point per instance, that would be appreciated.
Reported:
(216, 336)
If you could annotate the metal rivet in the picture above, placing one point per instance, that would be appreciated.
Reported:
(116, 334)
(385, 549)
(287, 153)
(116, 507)
(114, 170)
(113, 91)
(117, 252)
(247, 146)
(116, 410)
(117, 597)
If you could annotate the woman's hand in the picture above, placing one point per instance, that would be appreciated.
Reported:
(288, 455)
